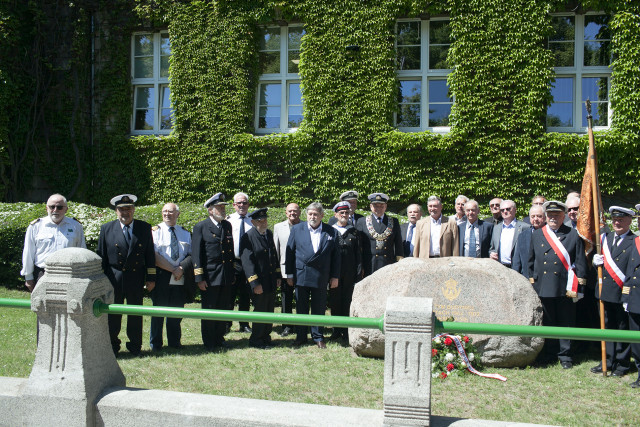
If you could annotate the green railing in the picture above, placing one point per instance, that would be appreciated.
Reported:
(100, 308)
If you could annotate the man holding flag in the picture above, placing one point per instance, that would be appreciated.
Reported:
(616, 251)
(557, 267)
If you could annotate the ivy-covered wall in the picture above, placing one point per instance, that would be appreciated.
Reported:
(497, 145)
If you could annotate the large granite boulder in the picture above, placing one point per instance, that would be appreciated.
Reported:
(469, 290)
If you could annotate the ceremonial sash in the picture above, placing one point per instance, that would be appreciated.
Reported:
(465, 359)
(609, 264)
(561, 252)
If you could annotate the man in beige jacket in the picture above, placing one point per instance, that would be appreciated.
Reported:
(436, 235)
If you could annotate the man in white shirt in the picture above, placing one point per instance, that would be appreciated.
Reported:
(460, 215)
(475, 234)
(281, 237)
(505, 234)
(47, 235)
(172, 245)
(240, 224)
(437, 235)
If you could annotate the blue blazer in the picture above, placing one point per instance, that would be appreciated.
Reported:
(520, 260)
(485, 230)
(312, 269)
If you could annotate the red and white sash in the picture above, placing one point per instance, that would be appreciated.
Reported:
(609, 264)
(561, 252)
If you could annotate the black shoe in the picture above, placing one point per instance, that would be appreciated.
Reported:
(300, 343)
(156, 349)
(618, 374)
(636, 383)
(596, 369)
(286, 332)
(245, 329)
(566, 365)
(335, 336)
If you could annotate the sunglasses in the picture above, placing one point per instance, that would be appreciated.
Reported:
(572, 209)
(505, 209)
(56, 207)
(240, 203)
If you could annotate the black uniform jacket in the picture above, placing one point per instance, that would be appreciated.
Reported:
(611, 292)
(127, 268)
(631, 288)
(212, 252)
(260, 260)
(350, 254)
(547, 270)
(373, 258)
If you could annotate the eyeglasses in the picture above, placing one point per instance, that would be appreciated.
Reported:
(240, 203)
(56, 207)
(505, 209)
(572, 209)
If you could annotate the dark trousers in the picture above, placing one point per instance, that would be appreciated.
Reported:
(340, 302)
(215, 297)
(286, 294)
(261, 332)
(586, 317)
(558, 311)
(134, 323)
(166, 295)
(318, 306)
(634, 325)
(242, 290)
(618, 353)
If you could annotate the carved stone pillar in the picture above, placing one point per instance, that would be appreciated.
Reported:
(408, 329)
(74, 362)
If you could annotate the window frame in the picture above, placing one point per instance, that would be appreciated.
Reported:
(284, 79)
(577, 72)
(157, 82)
(424, 74)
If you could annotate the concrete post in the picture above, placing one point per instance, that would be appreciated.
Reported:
(408, 329)
(74, 361)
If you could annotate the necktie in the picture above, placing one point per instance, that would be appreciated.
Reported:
(410, 237)
(380, 220)
(175, 251)
(472, 242)
(241, 226)
(127, 235)
(616, 240)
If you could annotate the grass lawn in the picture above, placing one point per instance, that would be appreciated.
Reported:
(335, 377)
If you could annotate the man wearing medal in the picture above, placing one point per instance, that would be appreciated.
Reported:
(557, 271)
(380, 234)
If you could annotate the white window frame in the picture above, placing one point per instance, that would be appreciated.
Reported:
(156, 82)
(424, 74)
(284, 78)
(578, 72)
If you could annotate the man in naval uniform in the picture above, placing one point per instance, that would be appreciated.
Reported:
(350, 197)
(129, 261)
(213, 257)
(557, 271)
(46, 235)
(617, 246)
(631, 298)
(380, 235)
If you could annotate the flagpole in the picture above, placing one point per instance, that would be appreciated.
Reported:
(596, 213)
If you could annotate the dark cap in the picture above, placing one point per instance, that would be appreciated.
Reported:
(378, 198)
(554, 206)
(124, 200)
(349, 195)
(216, 199)
(259, 214)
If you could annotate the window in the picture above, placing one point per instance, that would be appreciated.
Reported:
(152, 112)
(581, 46)
(423, 96)
(279, 100)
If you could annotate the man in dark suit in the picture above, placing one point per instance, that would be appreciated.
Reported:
(408, 229)
(381, 239)
(261, 266)
(520, 260)
(174, 279)
(350, 197)
(505, 234)
(213, 256)
(557, 281)
(312, 261)
(617, 247)
(128, 260)
(494, 207)
(631, 298)
(348, 242)
(475, 234)
(537, 200)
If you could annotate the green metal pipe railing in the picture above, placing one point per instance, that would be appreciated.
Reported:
(100, 308)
